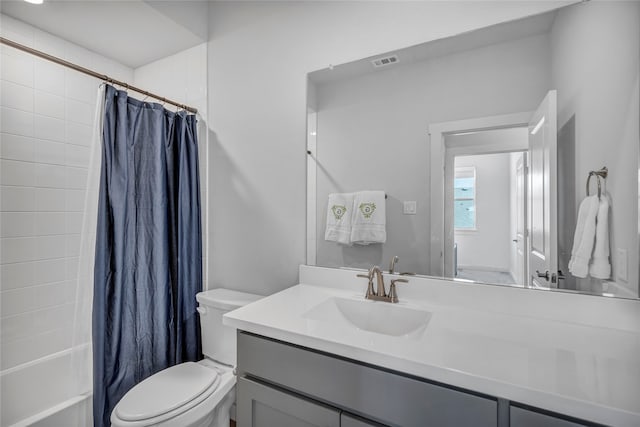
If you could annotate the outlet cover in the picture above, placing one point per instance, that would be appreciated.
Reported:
(410, 207)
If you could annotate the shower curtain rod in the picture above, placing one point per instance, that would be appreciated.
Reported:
(92, 73)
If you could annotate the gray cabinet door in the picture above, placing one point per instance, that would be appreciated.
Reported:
(347, 420)
(525, 418)
(261, 406)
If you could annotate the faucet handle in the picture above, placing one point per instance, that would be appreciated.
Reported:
(369, 285)
(393, 295)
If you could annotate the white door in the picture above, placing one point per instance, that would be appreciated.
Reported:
(522, 277)
(543, 241)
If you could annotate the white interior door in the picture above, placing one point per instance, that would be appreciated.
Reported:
(543, 241)
(522, 278)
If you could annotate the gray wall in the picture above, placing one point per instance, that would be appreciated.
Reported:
(596, 69)
(372, 134)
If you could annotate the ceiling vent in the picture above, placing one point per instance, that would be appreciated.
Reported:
(385, 60)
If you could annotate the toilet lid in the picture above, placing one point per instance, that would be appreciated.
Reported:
(165, 391)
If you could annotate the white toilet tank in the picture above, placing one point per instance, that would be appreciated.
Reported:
(218, 340)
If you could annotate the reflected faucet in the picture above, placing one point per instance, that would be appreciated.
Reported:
(392, 266)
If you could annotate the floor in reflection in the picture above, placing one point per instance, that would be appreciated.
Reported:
(499, 277)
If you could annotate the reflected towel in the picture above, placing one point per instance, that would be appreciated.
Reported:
(583, 238)
(339, 214)
(368, 221)
(600, 267)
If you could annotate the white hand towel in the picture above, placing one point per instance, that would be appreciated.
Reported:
(368, 221)
(600, 267)
(339, 215)
(584, 237)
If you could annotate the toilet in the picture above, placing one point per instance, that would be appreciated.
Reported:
(191, 394)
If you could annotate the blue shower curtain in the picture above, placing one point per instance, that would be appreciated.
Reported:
(148, 265)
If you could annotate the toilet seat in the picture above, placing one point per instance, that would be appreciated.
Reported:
(173, 393)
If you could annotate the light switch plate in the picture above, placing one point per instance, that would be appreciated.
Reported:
(410, 207)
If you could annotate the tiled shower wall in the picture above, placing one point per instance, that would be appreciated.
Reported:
(46, 125)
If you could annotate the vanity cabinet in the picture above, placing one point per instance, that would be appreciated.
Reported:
(288, 385)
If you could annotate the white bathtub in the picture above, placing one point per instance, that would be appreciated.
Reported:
(41, 393)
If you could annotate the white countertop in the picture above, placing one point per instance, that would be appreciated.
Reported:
(584, 371)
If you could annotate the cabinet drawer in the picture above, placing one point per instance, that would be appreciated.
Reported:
(377, 394)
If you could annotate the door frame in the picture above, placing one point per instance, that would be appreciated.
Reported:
(440, 238)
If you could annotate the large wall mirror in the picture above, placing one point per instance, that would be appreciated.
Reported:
(484, 144)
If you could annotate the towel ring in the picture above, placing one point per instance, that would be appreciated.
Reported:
(599, 184)
(602, 173)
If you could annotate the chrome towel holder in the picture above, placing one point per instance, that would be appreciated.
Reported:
(602, 173)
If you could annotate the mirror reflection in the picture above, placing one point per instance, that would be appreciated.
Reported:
(483, 144)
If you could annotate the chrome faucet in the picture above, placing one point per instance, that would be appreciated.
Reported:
(380, 293)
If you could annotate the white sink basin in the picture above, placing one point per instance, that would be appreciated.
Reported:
(379, 317)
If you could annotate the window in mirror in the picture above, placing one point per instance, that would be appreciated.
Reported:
(465, 198)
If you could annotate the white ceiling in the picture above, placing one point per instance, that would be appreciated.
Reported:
(132, 32)
(498, 33)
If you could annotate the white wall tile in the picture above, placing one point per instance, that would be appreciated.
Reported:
(36, 322)
(49, 247)
(79, 134)
(32, 298)
(47, 115)
(81, 87)
(16, 301)
(72, 268)
(34, 347)
(17, 67)
(50, 223)
(17, 199)
(16, 96)
(18, 249)
(76, 178)
(50, 152)
(17, 224)
(74, 222)
(50, 176)
(16, 275)
(16, 122)
(75, 200)
(73, 245)
(77, 155)
(49, 271)
(49, 104)
(49, 128)
(50, 199)
(17, 147)
(80, 112)
(49, 77)
(17, 173)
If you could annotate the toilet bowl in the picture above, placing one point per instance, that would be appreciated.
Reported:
(191, 394)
